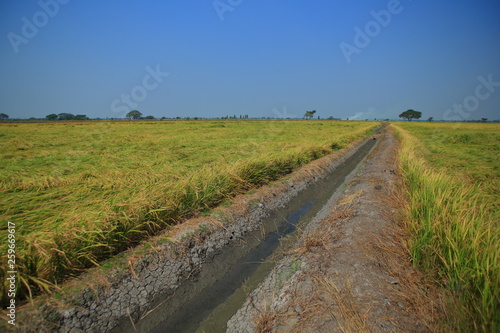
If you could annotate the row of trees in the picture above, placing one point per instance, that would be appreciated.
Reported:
(66, 116)
(135, 114)
(242, 116)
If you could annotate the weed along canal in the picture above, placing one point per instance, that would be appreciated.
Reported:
(205, 303)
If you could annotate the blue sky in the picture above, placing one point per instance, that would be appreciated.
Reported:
(206, 58)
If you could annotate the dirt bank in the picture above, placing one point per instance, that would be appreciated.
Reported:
(351, 270)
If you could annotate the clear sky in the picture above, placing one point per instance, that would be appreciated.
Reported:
(205, 58)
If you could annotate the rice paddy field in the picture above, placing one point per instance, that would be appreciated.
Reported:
(81, 192)
(452, 176)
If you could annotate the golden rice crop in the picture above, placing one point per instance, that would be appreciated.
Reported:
(80, 192)
(452, 175)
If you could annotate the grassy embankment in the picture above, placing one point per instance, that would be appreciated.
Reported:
(452, 172)
(79, 193)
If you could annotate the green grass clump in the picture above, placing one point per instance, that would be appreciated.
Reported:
(451, 173)
(82, 192)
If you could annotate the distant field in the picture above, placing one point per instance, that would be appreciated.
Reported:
(470, 151)
(81, 192)
(452, 173)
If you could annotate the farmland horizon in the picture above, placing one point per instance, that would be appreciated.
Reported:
(242, 118)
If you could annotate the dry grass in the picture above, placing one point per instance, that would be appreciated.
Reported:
(265, 322)
(346, 312)
(420, 295)
(349, 199)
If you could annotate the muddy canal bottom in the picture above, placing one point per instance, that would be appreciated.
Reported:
(210, 309)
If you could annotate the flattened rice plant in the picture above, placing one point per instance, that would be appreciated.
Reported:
(82, 192)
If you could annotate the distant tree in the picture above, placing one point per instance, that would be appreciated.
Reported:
(484, 120)
(32, 118)
(65, 116)
(134, 114)
(330, 118)
(51, 116)
(81, 117)
(430, 119)
(411, 114)
(309, 114)
(149, 117)
(3, 116)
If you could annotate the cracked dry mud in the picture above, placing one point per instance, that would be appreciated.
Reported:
(351, 270)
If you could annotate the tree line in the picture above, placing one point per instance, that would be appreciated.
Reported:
(135, 114)
(66, 116)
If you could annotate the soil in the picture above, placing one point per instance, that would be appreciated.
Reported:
(351, 271)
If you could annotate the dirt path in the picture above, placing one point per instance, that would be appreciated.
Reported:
(351, 272)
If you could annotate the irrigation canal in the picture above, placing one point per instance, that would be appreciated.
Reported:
(210, 310)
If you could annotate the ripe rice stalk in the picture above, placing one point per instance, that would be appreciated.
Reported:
(82, 194)
(455, 234)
